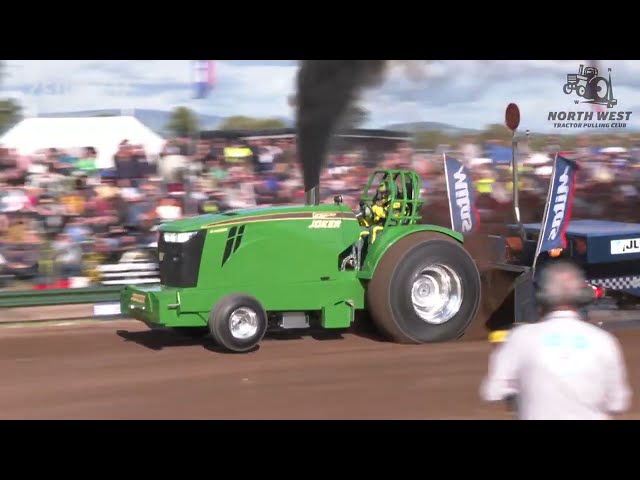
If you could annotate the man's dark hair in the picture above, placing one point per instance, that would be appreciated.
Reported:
(563, 284)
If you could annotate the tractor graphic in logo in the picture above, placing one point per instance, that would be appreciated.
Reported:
(593, 88)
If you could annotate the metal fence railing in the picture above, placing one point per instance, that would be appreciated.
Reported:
(63, 296)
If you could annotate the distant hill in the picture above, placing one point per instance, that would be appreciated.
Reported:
(453, 130)
(156, 120)
(414, 127)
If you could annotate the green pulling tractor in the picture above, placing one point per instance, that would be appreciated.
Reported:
(239, 274)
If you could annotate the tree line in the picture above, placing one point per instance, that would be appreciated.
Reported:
(10, 110)
(184, 122)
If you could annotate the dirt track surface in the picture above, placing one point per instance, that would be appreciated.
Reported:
(121, 370)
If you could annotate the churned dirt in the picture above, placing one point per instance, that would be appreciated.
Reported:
(121, 370)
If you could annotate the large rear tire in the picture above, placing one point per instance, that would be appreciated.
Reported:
(425, 289)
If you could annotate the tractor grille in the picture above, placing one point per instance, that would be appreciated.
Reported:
(180, 262)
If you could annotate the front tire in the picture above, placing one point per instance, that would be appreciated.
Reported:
(425, 289)
(238, 323)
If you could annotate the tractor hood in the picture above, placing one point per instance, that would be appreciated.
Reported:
(268, 213)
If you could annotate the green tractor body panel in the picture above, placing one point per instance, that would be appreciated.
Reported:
(287, 258)
(290, 259)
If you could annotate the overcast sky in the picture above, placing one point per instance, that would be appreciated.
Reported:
(462, 93)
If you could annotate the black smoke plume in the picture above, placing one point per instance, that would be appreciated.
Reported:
(325, 89)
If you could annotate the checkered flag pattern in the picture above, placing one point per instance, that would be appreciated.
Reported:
(617, 283)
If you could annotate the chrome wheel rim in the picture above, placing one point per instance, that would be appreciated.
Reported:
(436, 294)
(243, 323)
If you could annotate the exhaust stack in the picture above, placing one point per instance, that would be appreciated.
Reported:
(325, 89)
(312, 196)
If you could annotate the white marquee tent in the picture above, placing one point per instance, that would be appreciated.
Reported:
(103, 133)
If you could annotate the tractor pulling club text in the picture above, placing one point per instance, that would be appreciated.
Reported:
(576, 119)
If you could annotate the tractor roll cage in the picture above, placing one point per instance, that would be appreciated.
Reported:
(404, 195)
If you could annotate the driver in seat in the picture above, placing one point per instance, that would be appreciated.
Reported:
(377, 213)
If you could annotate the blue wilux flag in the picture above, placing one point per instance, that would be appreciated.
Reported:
(557, 213)
(462, 197)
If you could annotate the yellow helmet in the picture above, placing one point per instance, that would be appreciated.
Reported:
(383, 189)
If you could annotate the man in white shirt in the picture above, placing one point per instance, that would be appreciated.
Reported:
(561, 368)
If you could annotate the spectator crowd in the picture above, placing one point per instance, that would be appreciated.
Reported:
(62, 217)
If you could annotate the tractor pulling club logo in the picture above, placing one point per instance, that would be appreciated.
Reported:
(593, 89)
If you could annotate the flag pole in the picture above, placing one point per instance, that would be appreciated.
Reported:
(512, 121)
